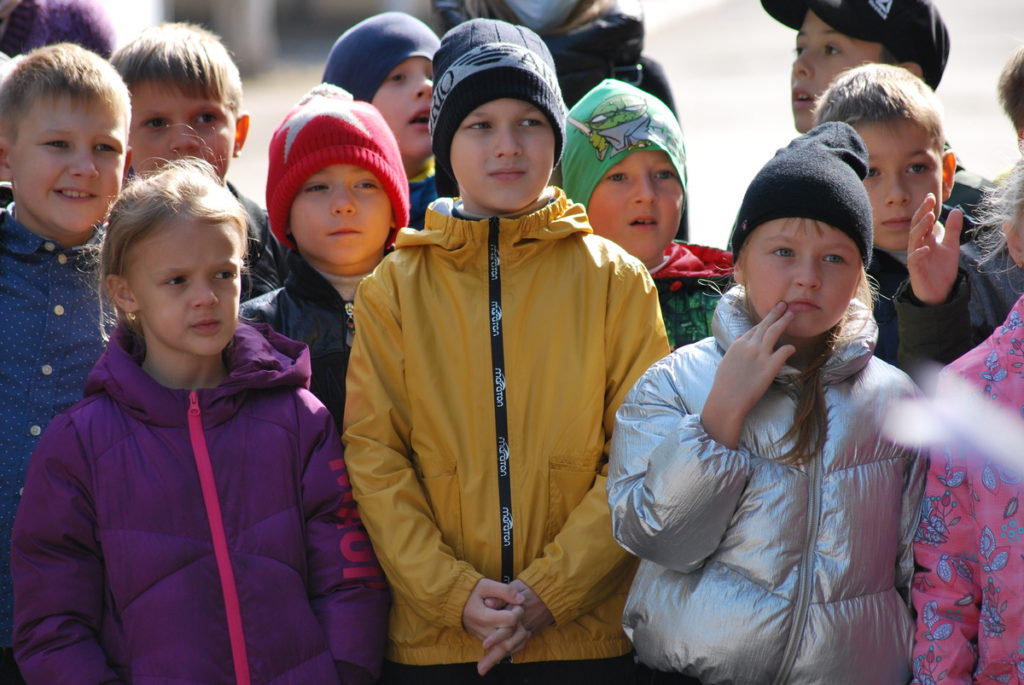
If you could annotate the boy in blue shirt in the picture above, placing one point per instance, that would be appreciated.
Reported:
(64, 116)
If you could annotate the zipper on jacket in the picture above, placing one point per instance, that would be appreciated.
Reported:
(803, 600)
(211, 501)
(500, 402)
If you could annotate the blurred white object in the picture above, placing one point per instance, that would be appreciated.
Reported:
(131, 16)
(959, 413)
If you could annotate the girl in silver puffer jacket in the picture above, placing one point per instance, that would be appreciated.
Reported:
(748, 470)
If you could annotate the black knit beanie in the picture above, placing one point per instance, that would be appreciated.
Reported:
(483, 60)
(819, 176)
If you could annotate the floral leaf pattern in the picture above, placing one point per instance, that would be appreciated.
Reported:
(970, 540)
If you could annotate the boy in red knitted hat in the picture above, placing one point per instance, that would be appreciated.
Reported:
(336, 195)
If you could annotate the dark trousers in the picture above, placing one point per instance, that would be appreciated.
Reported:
(616, 671)
(645, 676)
(9, 673)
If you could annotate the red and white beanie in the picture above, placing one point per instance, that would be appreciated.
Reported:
(329, 127)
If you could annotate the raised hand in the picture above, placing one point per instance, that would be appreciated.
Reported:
(744, 374)
(933, 252)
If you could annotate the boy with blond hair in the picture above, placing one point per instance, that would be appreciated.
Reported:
(493, 349)
(935, 299)
(187, 102)
(64, 116)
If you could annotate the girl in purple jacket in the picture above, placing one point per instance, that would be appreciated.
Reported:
(190, 520)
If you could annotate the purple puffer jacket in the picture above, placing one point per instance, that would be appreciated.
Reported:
(115, 577)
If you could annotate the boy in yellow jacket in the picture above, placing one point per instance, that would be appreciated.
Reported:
(494, 348)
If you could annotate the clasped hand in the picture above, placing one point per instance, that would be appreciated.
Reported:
(503, 616)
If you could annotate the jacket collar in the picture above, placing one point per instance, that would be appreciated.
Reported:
(256, 358)
(558, 219)
(305, 281)
(852, 353)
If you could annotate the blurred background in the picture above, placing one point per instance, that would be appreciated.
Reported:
(727, 60)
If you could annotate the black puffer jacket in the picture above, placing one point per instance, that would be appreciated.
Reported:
(310, 310)
(265, 259)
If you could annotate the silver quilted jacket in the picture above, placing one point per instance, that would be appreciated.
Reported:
(754, 571)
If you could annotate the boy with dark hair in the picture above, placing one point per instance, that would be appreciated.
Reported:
(64, 116)
(187, 102)
(493, 350)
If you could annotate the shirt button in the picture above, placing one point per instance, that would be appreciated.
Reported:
(62, 258)
(59, 310)
(47, 369)
(35, 430)
(49, 247)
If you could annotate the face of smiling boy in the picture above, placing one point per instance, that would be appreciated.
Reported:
(65, 162)
(502, 155)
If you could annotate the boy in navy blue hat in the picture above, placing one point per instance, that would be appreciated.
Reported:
(398, 81)
(494, 348)
(836, 35)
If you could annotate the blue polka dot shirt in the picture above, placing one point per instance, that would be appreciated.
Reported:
(49, 341)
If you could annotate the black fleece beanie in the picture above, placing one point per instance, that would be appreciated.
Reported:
(483, 60)
(819, 176)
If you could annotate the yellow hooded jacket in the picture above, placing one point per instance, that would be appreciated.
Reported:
(581, 323)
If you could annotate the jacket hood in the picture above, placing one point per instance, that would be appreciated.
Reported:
(695, 261)
(257, 358)
(852, 352)
(558, 219)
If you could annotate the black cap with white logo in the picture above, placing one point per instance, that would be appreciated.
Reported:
(911, 30)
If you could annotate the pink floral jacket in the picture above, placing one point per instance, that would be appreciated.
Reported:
(969, 591)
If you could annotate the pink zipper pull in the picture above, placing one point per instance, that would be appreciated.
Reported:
(193, 403)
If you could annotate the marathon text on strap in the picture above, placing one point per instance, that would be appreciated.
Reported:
(500, 403)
